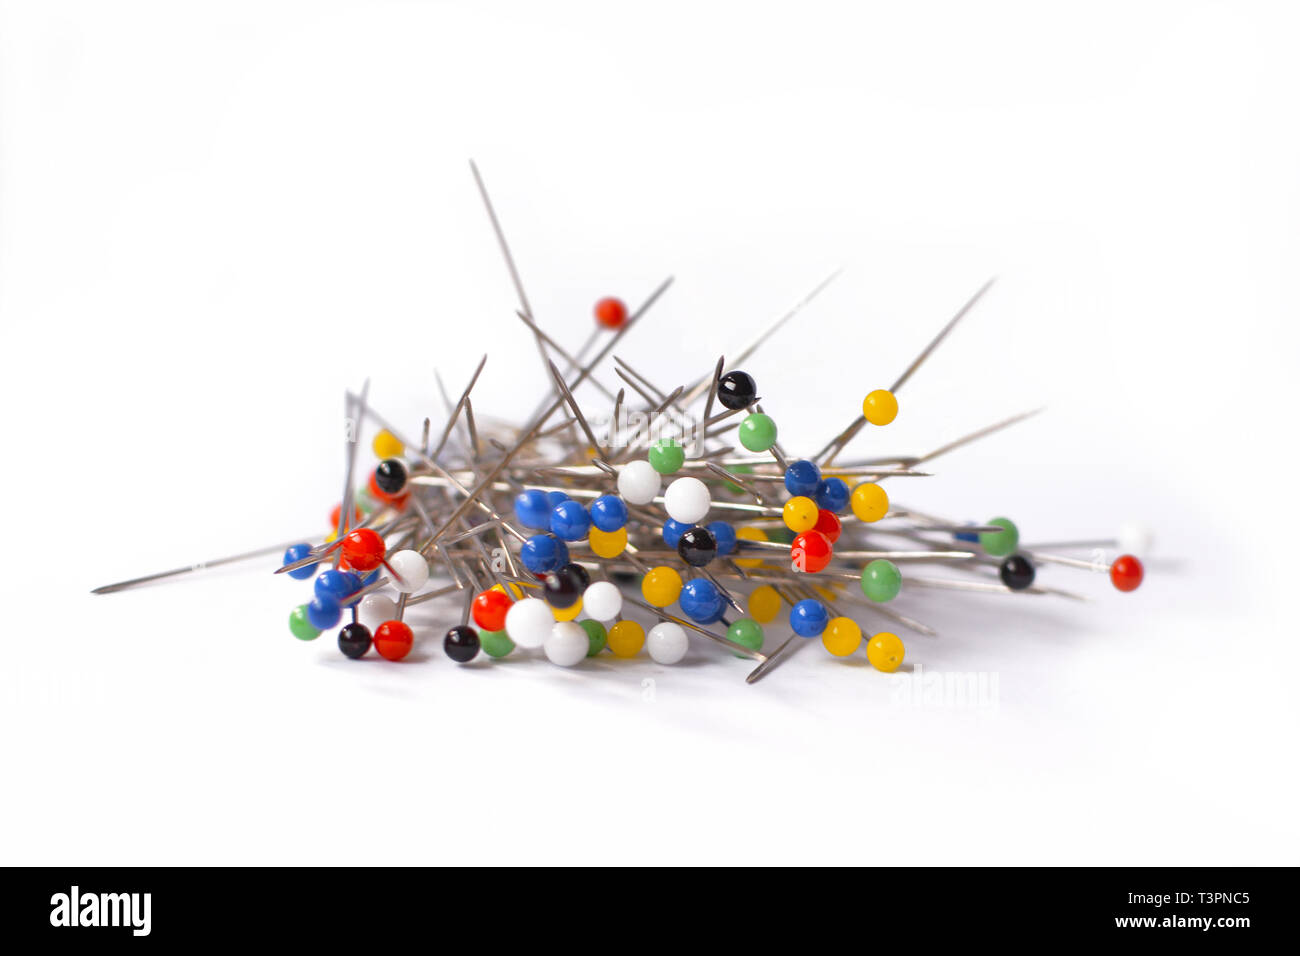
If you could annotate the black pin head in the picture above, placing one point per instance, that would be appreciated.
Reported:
(697, 546)
(737, 390)
(1016, 572)
(391, 476)
(354, 640)
(461, 644)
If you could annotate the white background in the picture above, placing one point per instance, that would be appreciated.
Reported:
(215, 217)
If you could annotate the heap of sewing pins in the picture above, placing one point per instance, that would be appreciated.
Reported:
(555, 535)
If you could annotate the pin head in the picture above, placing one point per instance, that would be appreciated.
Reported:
(1016, 572)
(410, 570)
(799, 514)
(881, 581)
(736, 390)
(809, 618)
(885, 652)
(638, 482)
(363, 549)
(490, 608)
(391, 476)
(386, 444)
(570, 521)
(697, 547)
(542, 553)
(667, 642)
(608, 513)
(461, 644)
(603, 600)
(533, 509)
(810, 552)
(354, 640)
(336, 585)
(626, 638)
(701, 601)
(870, 502)
(567, 644)
(610, 312)
(323, 612)
(495, 643)
(393, 640)
(758, 432)
(529, 622)
(880, 407)
(596, 636)
(607, 544)
(802, 478)
(661, 586)
(747, 633)
(1001, 543)
(687, 500)
(1126, 573)
(562, 587)
(300, 625)
(296, 552)
(842, 636)
(667, 456)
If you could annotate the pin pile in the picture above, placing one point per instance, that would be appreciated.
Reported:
(554, 534)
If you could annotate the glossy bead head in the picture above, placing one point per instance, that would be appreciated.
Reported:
(603, 600)
(608, 513)
(393, 640)
(363, 549)
(701, 601)
(1016, 572)
(567, 644)
(842, 636)
(1126, 573)
(529, 622)
(354, 640)
(881, 581)
(625, 639)
(570, 521)
(802, 478)
(461, 644)
(300, 625)
(296, 552)
(885, 652)
(869, 502)
(1001, 543)
(638, 482)
(799, 514)
(808, 618)
(610, 312)
(391, 476)
(737, 390)
(757, 432)
(412, 568)
(533, 509)
(832, 494)
(697, 547)
(661, 586)
(542, 553)
(490, 608)
(667, 456)
(687, 500)
(667, 642)
(880, 407)
(810, 552)
(607, 544)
